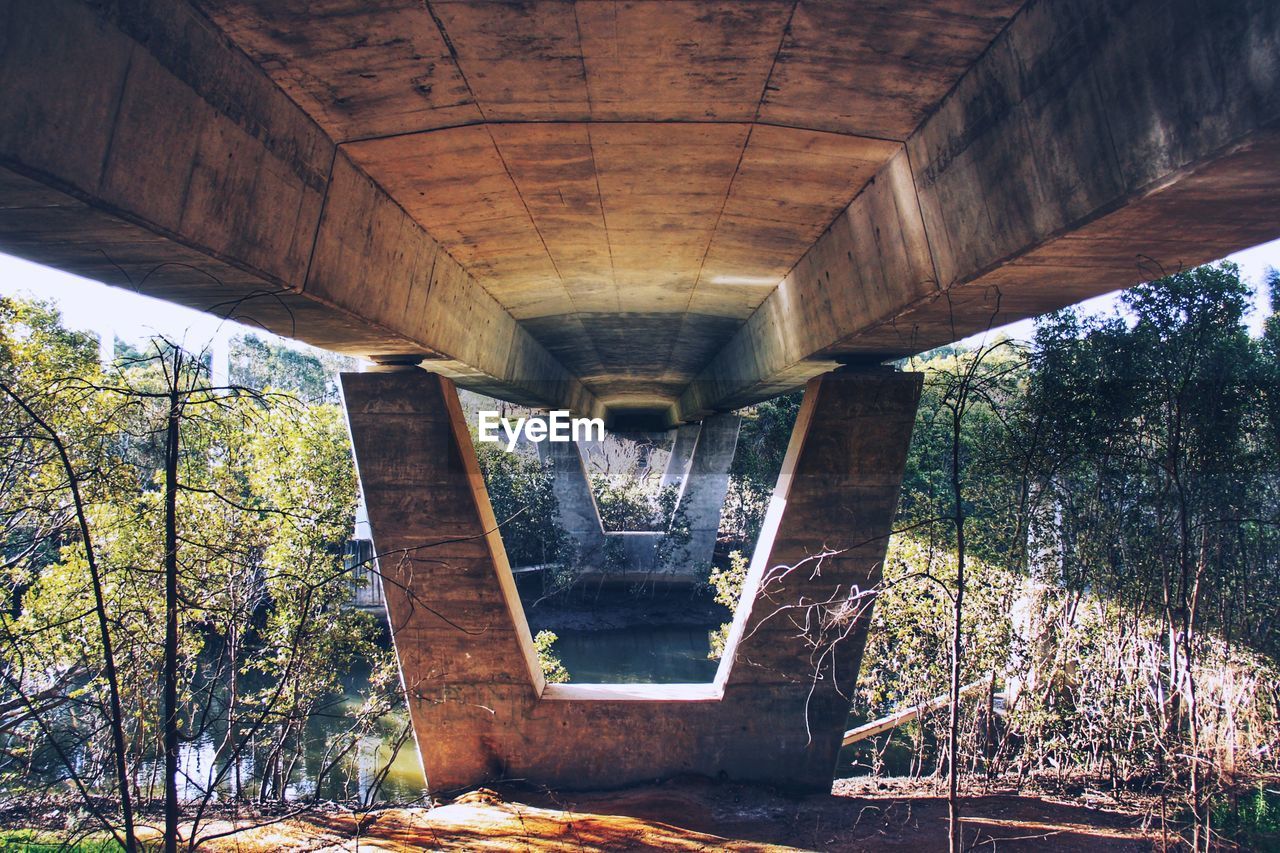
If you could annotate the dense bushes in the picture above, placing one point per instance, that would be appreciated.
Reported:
(173, 557)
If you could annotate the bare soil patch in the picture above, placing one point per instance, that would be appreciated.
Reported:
(700, 815)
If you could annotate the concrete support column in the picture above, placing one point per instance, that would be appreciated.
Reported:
(459, 630)
(705, 486)
(578, 514)
(778, 706)
(807, 602)
(681, 452)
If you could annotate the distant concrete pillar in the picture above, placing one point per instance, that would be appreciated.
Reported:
(578, 514)
(703, 493)
(681, 452)
(480, 707)
(700, 459)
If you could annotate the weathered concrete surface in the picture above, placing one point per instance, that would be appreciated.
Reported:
(704, 488)
(480, 708)
(1093, 146)
(140, 148)
(663, 208)
(576, 503)
(628, 180)
(685, 439)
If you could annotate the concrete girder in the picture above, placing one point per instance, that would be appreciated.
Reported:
(777, 709)
(1095, 144)
(139, 147)
(577, 217)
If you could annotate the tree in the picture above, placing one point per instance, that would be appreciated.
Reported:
(30, 383)
(310, 375)
(521, 489)
(200, 530)
(966, 391)
(1119, 487)
(1157, 415)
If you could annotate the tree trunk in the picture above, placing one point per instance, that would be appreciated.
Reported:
(116, 720)
(170, 722)
(953, 723)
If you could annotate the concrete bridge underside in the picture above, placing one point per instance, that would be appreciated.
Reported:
(654, 211)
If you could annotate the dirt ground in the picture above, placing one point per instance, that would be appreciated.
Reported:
(702, 815)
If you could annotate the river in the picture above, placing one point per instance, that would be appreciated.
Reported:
(661, 654)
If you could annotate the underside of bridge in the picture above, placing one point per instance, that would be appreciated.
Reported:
(653, 211)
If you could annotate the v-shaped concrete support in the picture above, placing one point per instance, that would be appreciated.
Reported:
(700, 460)
(777, 708)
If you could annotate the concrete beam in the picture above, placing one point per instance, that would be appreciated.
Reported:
(139, 147)
(1093, 146)
(481, 710)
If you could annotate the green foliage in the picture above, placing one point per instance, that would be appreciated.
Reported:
(37, 350)
(1161, 489)
(34, 841)
(727, 584)
(989, 482)
(1120, 494)
(625, 504)
(310, 375)
(521, 490)
(265, 498)
(552, 668)
(1252, 818)
(673, 549)
(907, 656)
(762, 444)
(53, 369)
(763, 437)
(1120, 507)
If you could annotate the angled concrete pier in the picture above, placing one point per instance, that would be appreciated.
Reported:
(703, 490)
(576, 505)
(777, 708)
(701, 455)
(686, 438)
